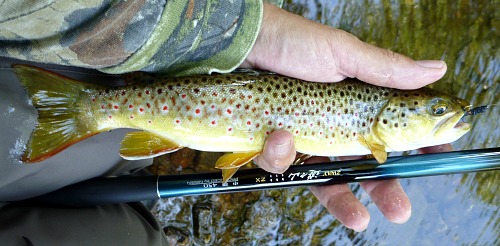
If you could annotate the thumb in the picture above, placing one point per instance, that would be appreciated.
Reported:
(278, 153)
(383, 67)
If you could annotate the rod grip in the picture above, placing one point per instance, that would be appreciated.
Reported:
(98, 191)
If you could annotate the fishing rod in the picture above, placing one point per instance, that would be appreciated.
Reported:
(99, 191)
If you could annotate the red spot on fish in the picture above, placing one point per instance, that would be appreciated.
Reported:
(280, 124)
(183, 96)
(251, 139)
(229, 111)
(123, 92)
(267, 133)
(257, 125)
(312, 102)
(297, 114)
(270, 123)
(249, 123)
(148, 105)
(110, 116)
(320, 133)
(213, 106)
(177, 121)
(266, 112)
(165, 108)
(297, 132)
(338, 114)
(115, 107)
(249, 96)
(238, 105)
(214, 94)
(331, 142)
(197, 111)
(229, 129)
(141, 109)
(103, 107)
(213, 122)
(93, 99)
(147, 92)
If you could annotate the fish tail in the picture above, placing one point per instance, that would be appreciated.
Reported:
(56, 100)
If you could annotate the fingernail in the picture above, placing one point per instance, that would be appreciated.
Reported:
(430, 63)
(282, 149)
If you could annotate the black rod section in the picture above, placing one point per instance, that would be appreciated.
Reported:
(129, 188)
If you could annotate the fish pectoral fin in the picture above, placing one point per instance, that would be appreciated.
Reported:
(230, 163)
(228, 173)
(377, 149)
(143, 145)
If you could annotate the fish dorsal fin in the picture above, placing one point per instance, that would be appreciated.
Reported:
(143, 145)
(377, 148)
(229, 163)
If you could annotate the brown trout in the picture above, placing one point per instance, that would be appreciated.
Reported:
(236, 112)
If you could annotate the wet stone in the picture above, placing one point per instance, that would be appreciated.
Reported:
(203, 230)
(177, 236)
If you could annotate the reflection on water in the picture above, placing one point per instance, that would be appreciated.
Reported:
(452, 209)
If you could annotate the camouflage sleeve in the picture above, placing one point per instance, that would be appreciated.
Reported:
(173, 36)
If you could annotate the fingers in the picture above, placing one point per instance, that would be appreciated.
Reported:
(436, 149)
(380, 66)
(278, 153)
(390, 199)
(341, 202)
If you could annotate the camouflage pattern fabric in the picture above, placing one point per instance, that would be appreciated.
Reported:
(177, 37)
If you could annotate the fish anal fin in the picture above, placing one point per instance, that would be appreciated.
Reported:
(143, 145)
(377, 149)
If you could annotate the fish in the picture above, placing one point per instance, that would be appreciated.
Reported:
(235, 113)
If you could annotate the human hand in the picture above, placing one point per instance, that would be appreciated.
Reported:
(294, 46)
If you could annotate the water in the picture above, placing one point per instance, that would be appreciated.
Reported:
(447, 210)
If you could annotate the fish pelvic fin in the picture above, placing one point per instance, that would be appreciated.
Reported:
(56, 100)
(231, 162)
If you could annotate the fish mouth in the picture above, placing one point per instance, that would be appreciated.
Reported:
(452, 125)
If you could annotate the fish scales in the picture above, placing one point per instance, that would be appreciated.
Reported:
(236, 112)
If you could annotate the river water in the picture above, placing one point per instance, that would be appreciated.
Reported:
(447, 210)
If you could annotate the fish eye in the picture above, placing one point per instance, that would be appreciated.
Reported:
(438, 106)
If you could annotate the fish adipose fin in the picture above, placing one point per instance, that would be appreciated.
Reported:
(229, 163)
(377, 149)
(143, 145)
(55, 99)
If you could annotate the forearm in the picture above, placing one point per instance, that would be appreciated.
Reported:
(173, 37)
